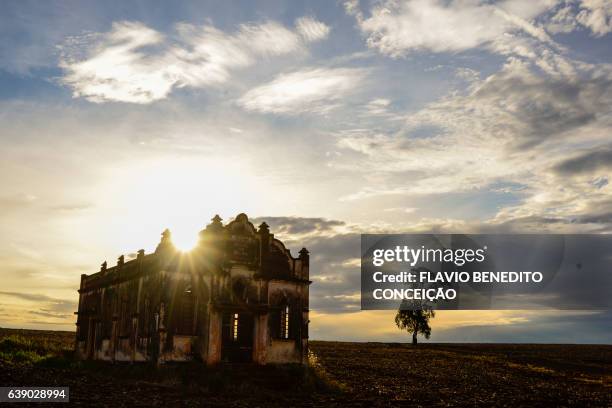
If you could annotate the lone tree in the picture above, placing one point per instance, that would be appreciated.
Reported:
(414, 321)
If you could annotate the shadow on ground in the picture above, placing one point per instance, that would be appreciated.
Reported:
(355, 374)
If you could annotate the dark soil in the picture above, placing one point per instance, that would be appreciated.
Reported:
(342, 374)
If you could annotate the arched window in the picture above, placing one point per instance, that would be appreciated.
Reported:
(186, 312)
(145, 318)
(235, 327)
(284, 322)
(107, 313)
(240, 290)
(125, 319)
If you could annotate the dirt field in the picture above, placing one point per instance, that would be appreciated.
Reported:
(355, 374)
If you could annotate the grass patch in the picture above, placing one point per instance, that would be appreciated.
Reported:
(321, 379)
(20, 350)
(237, 380)
(531, 367)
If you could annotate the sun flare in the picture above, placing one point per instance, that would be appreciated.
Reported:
(183, 239)
(179, 194)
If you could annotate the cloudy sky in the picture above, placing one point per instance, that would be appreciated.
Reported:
(326, 118)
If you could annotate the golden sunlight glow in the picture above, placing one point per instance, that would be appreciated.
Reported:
(180, 194)
(378, 325)
(184, 239)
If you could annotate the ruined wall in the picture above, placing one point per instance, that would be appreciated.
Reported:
(238, 295)
(288, 317)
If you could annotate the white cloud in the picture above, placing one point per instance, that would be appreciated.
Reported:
(269, 38)
(311, 29)
(514, 128)
(378, 107)
(562, 21)
(407, 210)
(118, 71)
(595, 15)
(396, 28)
(134, 63)
(309, 90)
(467, 74)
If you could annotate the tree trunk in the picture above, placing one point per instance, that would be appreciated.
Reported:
(414, 338)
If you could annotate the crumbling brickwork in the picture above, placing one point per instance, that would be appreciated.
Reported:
(239, 296)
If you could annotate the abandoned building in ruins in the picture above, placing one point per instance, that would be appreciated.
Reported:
(238, 296)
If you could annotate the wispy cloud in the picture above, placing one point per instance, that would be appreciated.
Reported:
(315, 90)
(16, 201)
(300, 227)
(311, 29)
(572, 15)
(518, 126)
(53, 305)
(446, 115)
(397, 28)
(137, 64)
(590, 161)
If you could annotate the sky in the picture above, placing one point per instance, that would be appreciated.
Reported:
(326, 118)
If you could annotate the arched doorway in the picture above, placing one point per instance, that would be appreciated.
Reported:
(237, 337)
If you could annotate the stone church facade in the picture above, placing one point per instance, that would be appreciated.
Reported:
(238, 296)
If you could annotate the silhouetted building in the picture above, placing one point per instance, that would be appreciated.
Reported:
(238, 296)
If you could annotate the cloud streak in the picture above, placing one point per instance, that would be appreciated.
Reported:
(137, 64)
(396, 28)
(316, 90)
(311, 29)
(447, 116)
(572, 15)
